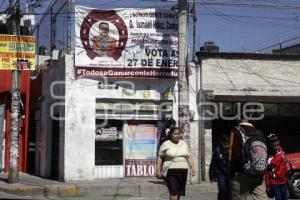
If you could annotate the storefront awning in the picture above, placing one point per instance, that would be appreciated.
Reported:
(133, 109)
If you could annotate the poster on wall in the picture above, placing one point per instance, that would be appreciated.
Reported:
(17, 52)
(140, 150)
(106, 134)
(126, 43)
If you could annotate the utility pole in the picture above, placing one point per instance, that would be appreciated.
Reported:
(13, 174)
(69, 43)
(183, 86)
(194, 30)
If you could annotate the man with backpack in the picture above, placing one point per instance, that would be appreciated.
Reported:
(277, 171)
(248, 161)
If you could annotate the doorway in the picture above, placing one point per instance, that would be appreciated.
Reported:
(31, 144)
(286, 128)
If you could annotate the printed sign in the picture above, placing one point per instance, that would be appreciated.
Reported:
(140, 150)
(131, 43)
(17, 52)
(130, 106)
(140, 167)
(106, 133)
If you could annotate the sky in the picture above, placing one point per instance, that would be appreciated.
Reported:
(243, 28)
(248, 29)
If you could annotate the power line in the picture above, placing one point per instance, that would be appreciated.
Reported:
(251, 5)
(274, 45)
(247, 16)
(203, 14)
(242, 4)
(269, 40)
(232, 18)
(237, 18)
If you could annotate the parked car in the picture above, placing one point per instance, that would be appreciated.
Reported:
(294, 180)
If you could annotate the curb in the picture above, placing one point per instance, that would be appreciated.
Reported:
(38, 191)
(61, 191)
(142, 190)
(133, 189)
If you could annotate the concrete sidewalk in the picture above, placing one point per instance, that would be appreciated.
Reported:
(135, 187)
(29, 185)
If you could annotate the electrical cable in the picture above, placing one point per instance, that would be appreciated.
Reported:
(240, 4)
(209, 3)
(235, 67)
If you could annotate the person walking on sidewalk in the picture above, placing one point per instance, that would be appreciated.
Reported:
(244, 182)
(219, 169)
(177, 160)
(276, 175)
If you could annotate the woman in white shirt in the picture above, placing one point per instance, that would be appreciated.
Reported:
(177, 160)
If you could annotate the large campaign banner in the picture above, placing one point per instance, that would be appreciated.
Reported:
(140, 150)
(17, 52)
(126, 43)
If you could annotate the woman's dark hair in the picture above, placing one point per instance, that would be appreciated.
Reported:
(172, 130)
(103, 23)
(171, 122)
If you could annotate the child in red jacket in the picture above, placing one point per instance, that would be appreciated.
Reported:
(276, 175)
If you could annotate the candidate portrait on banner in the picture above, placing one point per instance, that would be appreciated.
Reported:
(104, 44)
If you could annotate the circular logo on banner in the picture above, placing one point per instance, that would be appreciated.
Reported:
(103, 45)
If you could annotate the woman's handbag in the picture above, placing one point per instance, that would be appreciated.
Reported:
(164, 170)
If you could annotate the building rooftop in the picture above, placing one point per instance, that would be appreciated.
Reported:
(233, 55)
(252, 76)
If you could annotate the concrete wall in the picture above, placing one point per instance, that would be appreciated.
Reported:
(251, 77)
(53, 92)
(80, 115)
(75, 102)
(194, 123)
(194, 131)
(207, 150)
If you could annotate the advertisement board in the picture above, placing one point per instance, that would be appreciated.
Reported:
(128, 43)
(17, 52)
(140, 150)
